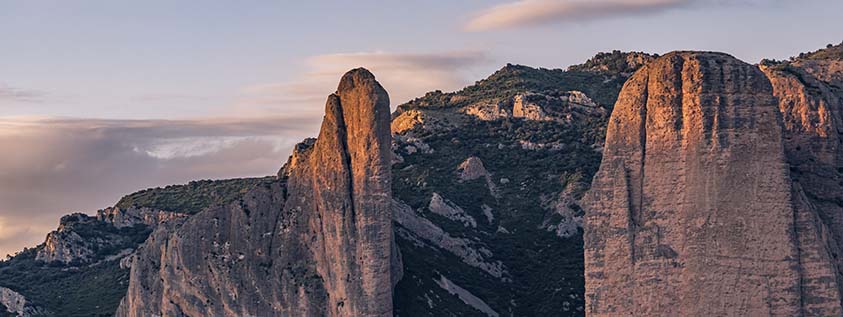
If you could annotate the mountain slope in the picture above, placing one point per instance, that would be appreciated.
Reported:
(488, 180)
(493, 168)
(78, 270)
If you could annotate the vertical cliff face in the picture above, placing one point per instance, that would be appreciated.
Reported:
(346, 182)
(316, 243)
(691, 212)
(810, 102)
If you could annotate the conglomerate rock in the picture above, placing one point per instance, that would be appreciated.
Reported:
(694, 211)
(318, 242)
(811, 105)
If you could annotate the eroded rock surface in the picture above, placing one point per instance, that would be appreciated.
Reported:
(16, 304)
(700, 208)
(811, 107)
(318, 242)
(73, 243)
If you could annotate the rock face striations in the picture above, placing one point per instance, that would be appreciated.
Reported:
(318, 242)
(810, 98)
(699, 208)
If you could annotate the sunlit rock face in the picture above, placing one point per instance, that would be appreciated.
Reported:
(699, 207)
(318, 242)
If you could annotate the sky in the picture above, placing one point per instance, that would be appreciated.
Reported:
(99, 99)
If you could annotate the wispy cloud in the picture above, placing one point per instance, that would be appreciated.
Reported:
(538, 12)
(53, 166)
(404, 76)
(13, 94)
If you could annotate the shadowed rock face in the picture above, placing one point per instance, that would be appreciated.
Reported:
(692, 211)
(810, 100)
(318, 242)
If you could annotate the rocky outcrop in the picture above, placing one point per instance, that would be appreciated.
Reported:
(79, 237)
(300, 152)
(568, 106)
(421, 228)
(318, 242)
(129, 217)
(16, 304)
(65, 245)
(564, 215)
(472, 168)
(691, 211)
(467, 297)
(447, 209)
(562, 107)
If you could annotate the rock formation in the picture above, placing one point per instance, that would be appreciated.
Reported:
(318, 242)
(811, 107)
(128, 217)
(699, 207)
(68, 245)
(16, 304)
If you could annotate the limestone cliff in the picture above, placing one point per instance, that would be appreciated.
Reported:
(717, 194)
(318, 242)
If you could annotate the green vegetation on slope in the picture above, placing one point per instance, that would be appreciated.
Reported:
(96, 287)
(545, 270)
(193, 197)
(602, 87)
(615, 62)
(71, 290)
(830, 52)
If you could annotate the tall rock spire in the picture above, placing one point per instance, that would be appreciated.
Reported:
(347, 182)
(319, 242)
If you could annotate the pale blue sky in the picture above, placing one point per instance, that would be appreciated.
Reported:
(248, 79)
(164, 59)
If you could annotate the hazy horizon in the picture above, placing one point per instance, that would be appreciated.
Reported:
(98, 99)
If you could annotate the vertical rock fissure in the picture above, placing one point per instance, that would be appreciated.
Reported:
(342, 129)
(638, 211)
(798, 245)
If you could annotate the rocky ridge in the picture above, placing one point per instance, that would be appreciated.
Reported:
(68, 244)
(17, 304)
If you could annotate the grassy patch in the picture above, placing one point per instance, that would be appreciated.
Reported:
(193, 197)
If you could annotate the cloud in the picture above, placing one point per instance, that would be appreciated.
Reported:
(405, 76)
(53, 166)
(12, 94)
(539, 12)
